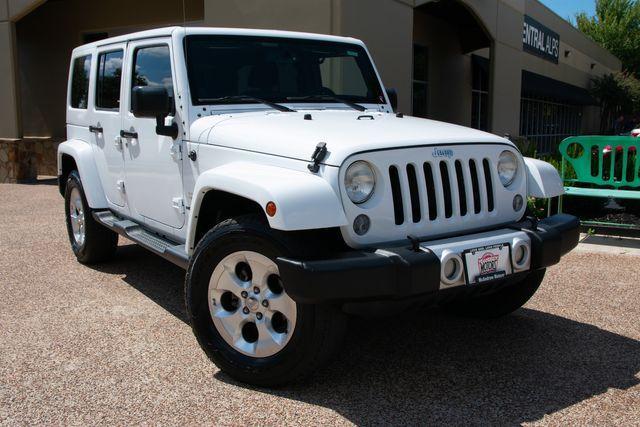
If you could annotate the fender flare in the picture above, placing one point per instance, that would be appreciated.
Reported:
(304, 201)
(543, 180)
(82, 154)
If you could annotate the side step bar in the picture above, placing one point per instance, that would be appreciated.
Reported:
(160, 246)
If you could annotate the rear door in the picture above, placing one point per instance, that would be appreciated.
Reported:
(153, 162)
(106, 122)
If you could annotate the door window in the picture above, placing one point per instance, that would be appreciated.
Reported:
(109, 79)
(80, 82)
(152, 67)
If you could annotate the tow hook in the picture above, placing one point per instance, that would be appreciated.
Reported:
(415, 243)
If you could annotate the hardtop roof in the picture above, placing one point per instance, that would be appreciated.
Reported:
(170, 31)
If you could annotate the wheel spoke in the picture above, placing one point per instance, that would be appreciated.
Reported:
(247, 347)
(267, 337)
(282, 303)
(228, 281)
(231, 319)
(78, 204)
(260, 270)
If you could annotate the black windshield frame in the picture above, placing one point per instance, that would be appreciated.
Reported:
(199, 96)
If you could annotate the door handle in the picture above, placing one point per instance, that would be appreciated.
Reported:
(95, 129)
(128, 135)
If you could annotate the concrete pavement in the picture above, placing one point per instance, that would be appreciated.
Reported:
(109, 345)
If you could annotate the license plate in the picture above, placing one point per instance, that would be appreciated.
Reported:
(487, 263)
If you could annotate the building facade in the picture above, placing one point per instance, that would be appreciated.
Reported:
(505, 66)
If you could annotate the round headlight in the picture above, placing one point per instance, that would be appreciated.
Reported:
(507, 167)
(359, 181)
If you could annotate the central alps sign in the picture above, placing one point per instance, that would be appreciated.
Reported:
(540, 40)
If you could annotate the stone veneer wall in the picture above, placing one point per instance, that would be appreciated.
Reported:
(23, 160)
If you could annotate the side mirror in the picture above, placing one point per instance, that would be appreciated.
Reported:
(150, 101)
(154, 102)
(393, 98)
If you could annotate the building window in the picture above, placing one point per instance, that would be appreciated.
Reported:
(80, 82)
(546, 121)
(420, 80)
(152, 67)
(109, 79)
(480, 93)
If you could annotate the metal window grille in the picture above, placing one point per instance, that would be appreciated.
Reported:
(479, 109)
(546, 122)
(480, 93)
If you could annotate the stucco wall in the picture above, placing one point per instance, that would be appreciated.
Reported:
(44, 49)
(449, 70)
(293, 15)
(386, 26)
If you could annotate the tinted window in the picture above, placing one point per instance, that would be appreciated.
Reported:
(109, 78)
(152, 67)
(80, 82)
(279, 70)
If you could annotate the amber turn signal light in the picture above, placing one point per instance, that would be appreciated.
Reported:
(271, 209)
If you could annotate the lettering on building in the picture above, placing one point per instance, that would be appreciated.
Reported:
(540, 40)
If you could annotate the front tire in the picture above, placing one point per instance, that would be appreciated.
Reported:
(90, 241)
(241, 315)
(501, 303)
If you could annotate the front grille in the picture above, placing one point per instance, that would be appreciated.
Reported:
(441, 189)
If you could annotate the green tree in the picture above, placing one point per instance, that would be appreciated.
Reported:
(617, 94)
(616, 26)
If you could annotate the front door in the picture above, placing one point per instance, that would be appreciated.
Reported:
(106, 122)
(153, 163)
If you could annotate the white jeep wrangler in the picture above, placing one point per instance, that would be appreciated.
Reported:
(272, 167)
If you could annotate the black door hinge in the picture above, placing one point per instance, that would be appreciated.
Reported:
(318, 155)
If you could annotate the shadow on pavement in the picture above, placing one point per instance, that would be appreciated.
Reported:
(427, 367)
(158, 279)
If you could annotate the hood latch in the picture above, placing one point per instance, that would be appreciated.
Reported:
(318, 156)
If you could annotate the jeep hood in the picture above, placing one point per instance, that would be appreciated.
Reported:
(344, 132)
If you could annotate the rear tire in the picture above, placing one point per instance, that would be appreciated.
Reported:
(90, 241)
(235, 325)
(500, 303)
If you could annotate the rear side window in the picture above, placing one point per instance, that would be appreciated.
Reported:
(152, 67)
(109, 79)
(80, 82)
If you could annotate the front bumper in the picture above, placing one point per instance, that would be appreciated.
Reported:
(395, 273)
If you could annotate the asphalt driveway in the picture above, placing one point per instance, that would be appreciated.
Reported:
(109, 345)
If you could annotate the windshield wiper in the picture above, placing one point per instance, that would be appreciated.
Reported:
(231, 98)
(327, 98)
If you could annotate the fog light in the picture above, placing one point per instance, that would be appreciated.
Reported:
(361, 225)
(520, 254)
(518, 202)
(451, 268)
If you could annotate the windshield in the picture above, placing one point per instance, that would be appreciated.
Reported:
(278, 70)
